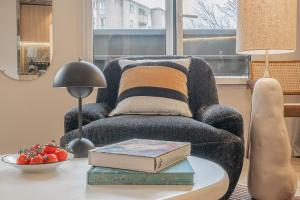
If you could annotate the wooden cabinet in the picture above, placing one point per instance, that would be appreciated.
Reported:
(35, 23)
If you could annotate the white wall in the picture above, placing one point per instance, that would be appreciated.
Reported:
(8, 39)
(239, 97)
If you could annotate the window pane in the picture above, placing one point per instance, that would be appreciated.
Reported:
(127, 27)
(210, 32)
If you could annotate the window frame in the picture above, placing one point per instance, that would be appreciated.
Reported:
(174, 36)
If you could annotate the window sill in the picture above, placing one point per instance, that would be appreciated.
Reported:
(232, 80)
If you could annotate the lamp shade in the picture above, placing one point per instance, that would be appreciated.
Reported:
(79, 74)
(266, 25)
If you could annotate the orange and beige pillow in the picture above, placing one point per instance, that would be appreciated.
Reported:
(153, 87)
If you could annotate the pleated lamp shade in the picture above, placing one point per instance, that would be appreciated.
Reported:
(266, 25)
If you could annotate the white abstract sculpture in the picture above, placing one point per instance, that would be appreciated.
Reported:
(271, 176)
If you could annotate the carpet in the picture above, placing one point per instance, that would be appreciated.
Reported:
(241, 193)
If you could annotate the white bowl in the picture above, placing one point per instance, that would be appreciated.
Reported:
(11, 159)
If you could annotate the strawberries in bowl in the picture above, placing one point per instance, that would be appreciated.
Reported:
(38, 158)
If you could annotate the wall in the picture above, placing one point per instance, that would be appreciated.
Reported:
(32, 112)
(239, 97)
(8, 39)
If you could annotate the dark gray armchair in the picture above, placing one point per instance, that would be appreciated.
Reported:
(215, 131)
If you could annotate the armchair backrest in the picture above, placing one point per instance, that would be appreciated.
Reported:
(201, 84)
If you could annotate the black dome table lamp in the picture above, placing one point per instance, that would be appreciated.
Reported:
(79, 78)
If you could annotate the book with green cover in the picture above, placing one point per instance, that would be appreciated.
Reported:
(180, 173)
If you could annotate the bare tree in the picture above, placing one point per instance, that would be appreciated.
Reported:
(229, 10)
(212, 15)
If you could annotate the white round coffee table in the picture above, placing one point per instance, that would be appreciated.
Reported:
(69, 182)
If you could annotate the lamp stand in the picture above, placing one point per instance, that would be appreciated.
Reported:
(80, 117)
(80, 146)
(267, 69)
(270, 148)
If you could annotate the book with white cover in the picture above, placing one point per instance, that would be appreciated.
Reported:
(140, 155)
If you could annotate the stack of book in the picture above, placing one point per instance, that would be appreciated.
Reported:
(141, 162)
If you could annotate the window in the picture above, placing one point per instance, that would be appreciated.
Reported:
(102, 21)
(131, 24)
(209, 31)
(101, 5)
(205, 28)
(142, 11)
(125, 34)
(131, 8)
(143, 18)
(99, 13)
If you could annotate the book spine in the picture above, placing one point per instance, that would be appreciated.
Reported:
(139, 179)
(172, 157)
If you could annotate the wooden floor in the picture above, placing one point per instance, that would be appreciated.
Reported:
(295, 163)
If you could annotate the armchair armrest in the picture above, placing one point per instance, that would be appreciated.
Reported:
(222, 117)
(90, 113)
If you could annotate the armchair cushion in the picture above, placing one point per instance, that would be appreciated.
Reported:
(90, 112)
(222, 117)
(175, 128)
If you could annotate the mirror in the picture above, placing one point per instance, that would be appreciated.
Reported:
(26, 38)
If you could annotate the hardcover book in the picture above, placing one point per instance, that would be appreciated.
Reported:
(180, 173)
(140, 155)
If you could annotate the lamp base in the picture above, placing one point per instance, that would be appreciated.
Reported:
(270, 152)
(80, 147)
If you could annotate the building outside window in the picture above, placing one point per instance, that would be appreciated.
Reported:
(99, 13)
(101, 6)
(130, 32)
(102, 22)
(131, 24)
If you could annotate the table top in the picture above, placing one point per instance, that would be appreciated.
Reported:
(69, 181)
